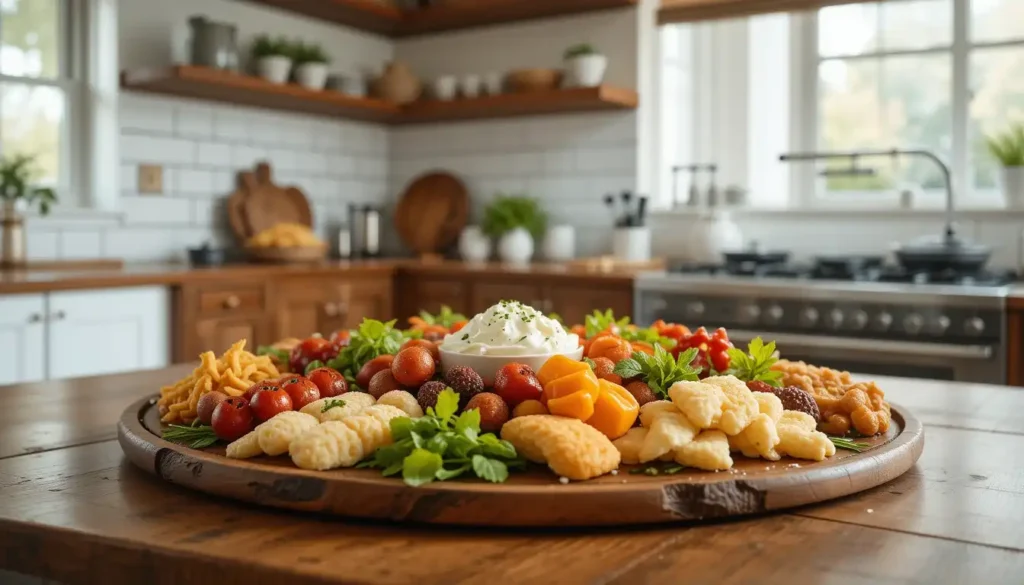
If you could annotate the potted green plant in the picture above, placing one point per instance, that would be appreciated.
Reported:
(16, 175)
(310, 63)
(515, 220)
(273, 58)
(1008, 149)
(585, 67)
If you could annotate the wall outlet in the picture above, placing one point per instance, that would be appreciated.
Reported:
(151, 179)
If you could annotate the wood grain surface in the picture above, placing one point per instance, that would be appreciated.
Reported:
(951, 519)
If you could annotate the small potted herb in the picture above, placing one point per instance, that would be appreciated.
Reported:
(1008, 149)
(515, 220)
(310, 65)
(273, 58)
(16, 175)
(584, 66)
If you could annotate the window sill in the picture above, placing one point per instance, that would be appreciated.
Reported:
(847, 212)
(75, 217)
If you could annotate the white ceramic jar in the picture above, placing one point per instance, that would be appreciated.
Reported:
(516, 246)
(587, 70)
(471, 86)
(474, 245)
(1013, 186)
(445, 87)
(312, 75)
(274, 68)
(632, 244)
(559, 243)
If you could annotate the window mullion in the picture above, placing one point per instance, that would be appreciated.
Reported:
(961, 101)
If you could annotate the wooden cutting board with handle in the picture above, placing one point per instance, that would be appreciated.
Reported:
(432, 212)
(259, 204)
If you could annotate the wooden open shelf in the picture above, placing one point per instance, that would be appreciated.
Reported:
(376, 16)
(232, 88)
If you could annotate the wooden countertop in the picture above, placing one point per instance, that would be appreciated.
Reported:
(35, 281)
(72, 509)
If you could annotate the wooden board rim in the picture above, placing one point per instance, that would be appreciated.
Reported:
(363, 494)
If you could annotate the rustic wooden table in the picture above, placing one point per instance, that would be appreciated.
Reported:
(73, 510)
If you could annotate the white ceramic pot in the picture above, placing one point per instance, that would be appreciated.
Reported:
(711, 236)
(560, 243)
(492, 83)
(586, 70)
(275, 68)
(1013, 186)
(445, 87)
(632, 244)
(474, 246)
(471, 86)
(355, 86)
(312, 75)
(516, 246)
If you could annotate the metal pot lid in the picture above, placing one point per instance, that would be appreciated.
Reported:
(949, 244)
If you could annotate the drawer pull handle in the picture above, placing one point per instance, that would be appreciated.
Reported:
(58, 316)
(35, 318)
(232, 302)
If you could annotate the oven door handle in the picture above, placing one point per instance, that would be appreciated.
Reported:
(907, 348)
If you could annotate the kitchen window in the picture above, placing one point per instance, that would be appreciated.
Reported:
(937, 74)
(58, 94)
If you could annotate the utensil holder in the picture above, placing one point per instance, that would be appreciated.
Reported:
(632, 244)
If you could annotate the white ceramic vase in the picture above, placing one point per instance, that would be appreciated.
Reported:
(312, 75)
(474, 245)
(632, 244)
(587, 70)
(559, 243)
(275, 68)
(516, 246)
(445, 87)
(1013, 186)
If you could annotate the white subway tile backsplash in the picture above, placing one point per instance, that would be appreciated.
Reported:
(224, 182)
(246, 157)
(213, 154)
(284, 159)
(342, 165)
(231, 125)
(157, 149)
(558, 162)
(195, 182)
(150, 244)
(371, 167)
(80, 245)
(608, 160)
(312, 162)
(194, 121)
(145, 113)
(129, 180)
(42, 245)
(155, 210)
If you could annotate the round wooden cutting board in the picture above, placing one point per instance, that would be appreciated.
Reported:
(532, 498)
(432, 212)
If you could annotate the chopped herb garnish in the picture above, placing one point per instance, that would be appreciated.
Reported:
(196, 437)
(332, 404)
(849, 445)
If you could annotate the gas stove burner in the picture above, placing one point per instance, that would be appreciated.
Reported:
(847, 267)
(949, 277)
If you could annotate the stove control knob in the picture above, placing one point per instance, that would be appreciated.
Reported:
(774, 314)
(883, 321)
(809, 317)
(695, 309)
(974, 326)
(835, 318)
(659, 304)
(939, 325)
(750, 313)
(858, 320)
(913, 323)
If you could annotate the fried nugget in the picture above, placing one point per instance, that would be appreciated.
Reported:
(277, 433)
(798, 437)
(328, 445)
(739, 407)
(245, 447)
(758, 439)
(700, 402)
(629, 445)
(709, 451)
(355, 402)
(769, 404)
(668, 431)
(403, 400)
(651, 410)
(570, 447)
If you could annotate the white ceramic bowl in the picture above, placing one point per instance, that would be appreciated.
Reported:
(488, 365)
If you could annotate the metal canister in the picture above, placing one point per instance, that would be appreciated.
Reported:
(371, 243)
(12, 237)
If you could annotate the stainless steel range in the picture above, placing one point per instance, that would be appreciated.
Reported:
(866, 321)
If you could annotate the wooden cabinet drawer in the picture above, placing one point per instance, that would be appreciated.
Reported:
(238, 300)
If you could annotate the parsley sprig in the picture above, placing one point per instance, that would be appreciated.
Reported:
(597, 322)
(278, 355)
(334, 403)
(660, 370)
(756, 363)
(849, 445)
(373, 338)
(195, 436)
(442, 446)
(446, 318)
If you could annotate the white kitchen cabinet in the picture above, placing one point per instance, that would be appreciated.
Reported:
(107, 331)
(22, 338)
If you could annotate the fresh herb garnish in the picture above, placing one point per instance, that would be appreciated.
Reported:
(756, 364)
(278, 355)
(849, 445)
(590, 362)
(660, 370)
(649, 336)
(597, 322)
(373, 338)
(196, 437)
(336, 403)
(446, 318)
(312, 366)
(442, 446)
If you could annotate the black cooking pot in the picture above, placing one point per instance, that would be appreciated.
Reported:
(755, 257)
(933, 255)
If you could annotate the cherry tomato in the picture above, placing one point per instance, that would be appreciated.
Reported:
(342, 336)
(301, 390)
(516, 383)
(330, 382)
(413, 366)
(265, 384)
(310, 350)
(381, 362)
(232, 419)
(427, 345)
(270, 402)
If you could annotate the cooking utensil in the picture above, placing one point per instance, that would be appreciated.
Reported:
(626, 219)
(432, 212)
(756, 257)
(641, 211)
(206, 255)
(948, 252)
(258, 204)
(213, 44)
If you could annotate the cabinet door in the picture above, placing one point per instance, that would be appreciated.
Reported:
(485, 295)
(428, 294)
(217, 334)
(22, 338)
(574, 302)
(303, 307)
(365, 298)
(107, 331)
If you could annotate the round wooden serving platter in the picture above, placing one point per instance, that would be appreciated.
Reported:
(531, 498)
